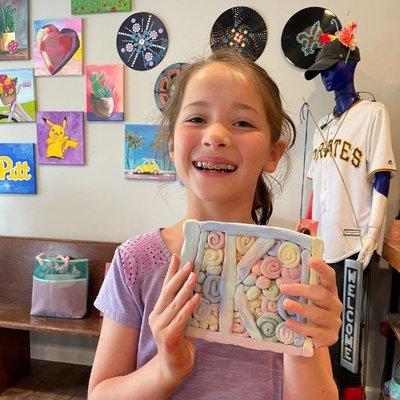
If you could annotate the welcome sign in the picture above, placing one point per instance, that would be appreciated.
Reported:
(17, 168)
(351, 319)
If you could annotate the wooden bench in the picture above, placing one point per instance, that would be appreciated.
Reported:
(16, 266)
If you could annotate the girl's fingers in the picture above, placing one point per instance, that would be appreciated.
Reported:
(321, 296)
(179, 301)
(172, 268)
(320, 336)
(171, 287)
(314, 315)
(181, 318)
(327, 275)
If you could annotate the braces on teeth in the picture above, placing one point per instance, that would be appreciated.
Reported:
(209, 165)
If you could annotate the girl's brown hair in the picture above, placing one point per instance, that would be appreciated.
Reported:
(280, 123)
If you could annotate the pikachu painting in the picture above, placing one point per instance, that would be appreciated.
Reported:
(60, 137)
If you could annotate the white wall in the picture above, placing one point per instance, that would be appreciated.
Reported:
(95, 201)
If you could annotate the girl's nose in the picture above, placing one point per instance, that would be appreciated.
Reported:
(215, 136)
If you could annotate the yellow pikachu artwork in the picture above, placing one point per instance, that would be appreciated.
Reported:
(58, 142)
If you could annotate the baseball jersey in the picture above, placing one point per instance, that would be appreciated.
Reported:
(359, 141)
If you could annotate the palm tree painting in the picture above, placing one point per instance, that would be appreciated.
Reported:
(146, 153)
(133, 141)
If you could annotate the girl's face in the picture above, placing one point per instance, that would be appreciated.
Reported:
(222, 140)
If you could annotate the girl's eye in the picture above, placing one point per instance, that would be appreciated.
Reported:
(243, 124)
(196, 120)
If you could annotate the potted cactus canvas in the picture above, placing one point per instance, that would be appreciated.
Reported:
(14, 30)
(105, 92)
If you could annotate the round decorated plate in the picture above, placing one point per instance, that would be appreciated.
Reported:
(165, 83)
(301, 33)
(242, 29)
(142, 41)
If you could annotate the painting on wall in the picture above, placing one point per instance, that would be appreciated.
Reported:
(17, 168)
(14, 30)
(105, 92)
(142, 41)
(17, 95)
(164, 85)
(60, 137)
(96, 6)
(58, 46)
(146, 153)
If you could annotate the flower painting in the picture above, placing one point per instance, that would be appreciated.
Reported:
(17, 168)
(146, 153)
(105, 92)
(58, 46)
(99, 6)
(17, 95)
(14, 30)
(60, 137)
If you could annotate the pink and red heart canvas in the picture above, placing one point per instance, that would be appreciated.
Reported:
(58, 46)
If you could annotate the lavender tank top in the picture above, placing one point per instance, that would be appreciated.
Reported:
(224, 372)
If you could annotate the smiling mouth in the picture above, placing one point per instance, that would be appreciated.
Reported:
(214, 167)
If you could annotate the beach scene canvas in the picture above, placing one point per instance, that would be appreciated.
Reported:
(96, 6)
(60, 137)
(58, 46)
(146, 153)
(17, 168)
(17, 95)
(105, 92)
(14, 30)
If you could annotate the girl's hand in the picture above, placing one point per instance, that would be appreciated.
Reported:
(168, 321)
(324, 316)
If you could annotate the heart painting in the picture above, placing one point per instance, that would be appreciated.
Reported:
(58, 47)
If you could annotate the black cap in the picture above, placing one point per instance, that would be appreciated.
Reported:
(329, 55)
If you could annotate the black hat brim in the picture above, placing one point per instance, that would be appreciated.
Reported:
(318, 67)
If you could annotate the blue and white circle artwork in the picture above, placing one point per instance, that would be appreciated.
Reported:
(142, 41)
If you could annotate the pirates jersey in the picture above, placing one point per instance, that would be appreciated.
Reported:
(358, 144)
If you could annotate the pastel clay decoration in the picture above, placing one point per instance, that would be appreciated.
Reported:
(240, 270)
(216, 240)
(289, 254)
(284, 334)
(271, 267)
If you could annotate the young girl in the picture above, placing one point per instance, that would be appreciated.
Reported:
(227, 131)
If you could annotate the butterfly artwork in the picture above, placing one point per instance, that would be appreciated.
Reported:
(308, 39)
(300, 36)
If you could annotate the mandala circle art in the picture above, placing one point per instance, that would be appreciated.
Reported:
(242, 29)
(300, 35)
(165, 84)
(142, 41)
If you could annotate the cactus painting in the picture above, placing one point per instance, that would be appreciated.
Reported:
(105, 92)
(14, 30)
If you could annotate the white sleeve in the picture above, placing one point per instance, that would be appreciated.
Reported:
(380, 153)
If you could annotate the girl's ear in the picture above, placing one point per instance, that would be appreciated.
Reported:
(275, 155)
